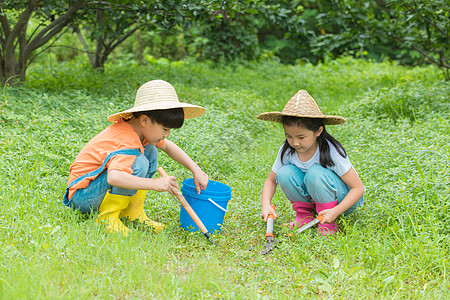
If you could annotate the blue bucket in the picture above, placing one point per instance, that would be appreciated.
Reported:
(210, 206)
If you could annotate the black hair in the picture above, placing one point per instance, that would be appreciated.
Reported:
(170, 118)
(314, 124)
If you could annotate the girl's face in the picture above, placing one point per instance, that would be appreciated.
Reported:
(303, 140)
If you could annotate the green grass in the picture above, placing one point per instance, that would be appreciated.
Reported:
(397, 137)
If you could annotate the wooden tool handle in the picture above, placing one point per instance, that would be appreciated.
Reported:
(186, 206)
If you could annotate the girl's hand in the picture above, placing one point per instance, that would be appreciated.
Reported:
(267, 210)
(329, 215)
(167, 184)
(201, 180)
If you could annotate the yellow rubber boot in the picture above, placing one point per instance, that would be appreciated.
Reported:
(110, 210)
(135, 211)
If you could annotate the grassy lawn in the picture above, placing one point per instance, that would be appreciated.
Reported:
(397, 137)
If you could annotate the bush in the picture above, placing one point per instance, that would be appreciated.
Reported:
(411, 100)
(397, 246)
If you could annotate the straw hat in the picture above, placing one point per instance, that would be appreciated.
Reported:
(301, 105)
(158, 94)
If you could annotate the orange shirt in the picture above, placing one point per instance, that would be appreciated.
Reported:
(119, 135)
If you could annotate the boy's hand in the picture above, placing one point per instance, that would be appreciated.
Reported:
(267, 210)
(201, 180)
(167, 184)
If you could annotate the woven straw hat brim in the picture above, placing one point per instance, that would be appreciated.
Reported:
(158, 94)
(301, 105)
(190, 110)
(277, 116)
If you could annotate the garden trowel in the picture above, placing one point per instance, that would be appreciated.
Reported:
(271, 241)
(190, 211)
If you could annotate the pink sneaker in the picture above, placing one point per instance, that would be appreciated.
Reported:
(305, 214)
(327, 228)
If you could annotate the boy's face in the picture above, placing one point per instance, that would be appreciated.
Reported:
(152, 131)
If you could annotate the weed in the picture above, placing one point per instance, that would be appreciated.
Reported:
(397, 137)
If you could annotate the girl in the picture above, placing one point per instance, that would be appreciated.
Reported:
(312, 167)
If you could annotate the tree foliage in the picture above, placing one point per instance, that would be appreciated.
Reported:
(223, 29)
(109, 23)
(106, 25)
(409, 31)
(17, 47)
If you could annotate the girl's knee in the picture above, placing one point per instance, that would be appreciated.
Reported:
(286, 173)
(289, 176)
(316, 176)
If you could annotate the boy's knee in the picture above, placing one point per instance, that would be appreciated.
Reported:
(140, 166)
(151, 153)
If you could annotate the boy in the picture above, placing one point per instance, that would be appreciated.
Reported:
(114, 170)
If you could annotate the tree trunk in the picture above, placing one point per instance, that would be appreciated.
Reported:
(84, 44)
(12, 71)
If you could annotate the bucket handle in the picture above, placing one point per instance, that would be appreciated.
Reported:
(218, 206)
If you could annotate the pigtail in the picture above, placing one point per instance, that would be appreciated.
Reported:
(285, 148)
(324, 148)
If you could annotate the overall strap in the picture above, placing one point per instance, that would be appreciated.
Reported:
(108, 157)
(99, 170)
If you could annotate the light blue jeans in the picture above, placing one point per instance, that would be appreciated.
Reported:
(90, 198)
(318, 185)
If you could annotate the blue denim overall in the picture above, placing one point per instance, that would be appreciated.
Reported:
(89, 199)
